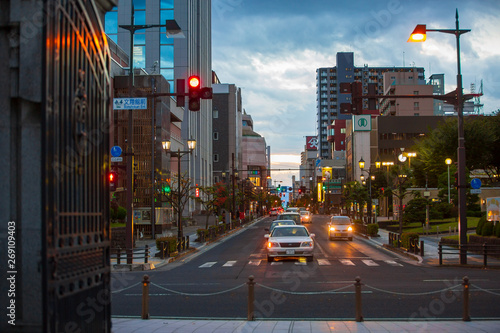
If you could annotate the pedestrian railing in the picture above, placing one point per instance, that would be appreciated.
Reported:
(415, 246)
(460, 293)
(485, 250)
(137, 253)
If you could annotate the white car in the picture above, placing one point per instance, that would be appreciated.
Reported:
(290, 241)
(340, 227)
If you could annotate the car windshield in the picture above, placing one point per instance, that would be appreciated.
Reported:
(341, 221)
(291, 231)
(276, 223)
(304, 212)
(295, 217)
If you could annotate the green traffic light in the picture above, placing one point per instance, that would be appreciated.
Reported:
(167, 189)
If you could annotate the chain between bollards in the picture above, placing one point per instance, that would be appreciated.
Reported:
(357, 287)
(465, 284)
(145, 297)
(251, 298)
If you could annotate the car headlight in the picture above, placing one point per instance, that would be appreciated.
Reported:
(306, 244)
(349, 229)
(273, 244)
(332, 229)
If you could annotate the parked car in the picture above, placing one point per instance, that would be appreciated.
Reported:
(290, 241)
(340, 227)
(305, 216)
(289, 216)
(279, 222)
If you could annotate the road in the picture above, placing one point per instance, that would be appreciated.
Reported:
(211, 283)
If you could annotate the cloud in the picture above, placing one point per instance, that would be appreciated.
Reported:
(272, 48)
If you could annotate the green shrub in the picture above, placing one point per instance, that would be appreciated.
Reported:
(172, 243)
(497, 229)
(487, 229)
(372, 229)
(407, 238)
(121, 214)
(480, 224)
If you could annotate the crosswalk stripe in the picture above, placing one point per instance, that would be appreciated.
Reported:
(370, 263)
(324, 262)
(208, 264)
(254, 262)
(277, 263)
(393, 263)
(229, 263)
(346, 262)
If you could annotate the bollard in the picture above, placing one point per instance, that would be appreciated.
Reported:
(466, 316)
(162, 250)
(167, 249)
(119, 255)
(251, 298)
(485, 253)
(146, 254)
(187, 242)
(440, 252)
(422, 248)
(145, 297)
(357, 287)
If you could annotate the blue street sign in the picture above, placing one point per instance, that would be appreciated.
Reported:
(116, 151)
(134, 103)
(475, 183)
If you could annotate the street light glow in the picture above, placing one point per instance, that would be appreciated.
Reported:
(419, 34)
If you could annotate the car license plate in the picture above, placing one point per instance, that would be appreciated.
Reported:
(338, 235)
(290, 251)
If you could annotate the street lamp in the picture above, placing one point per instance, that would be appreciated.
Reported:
(448, 162)
(370, 178)
(420, 35)
(172, 30)
(191, 145)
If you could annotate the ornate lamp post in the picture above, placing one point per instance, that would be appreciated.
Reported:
(179, 154)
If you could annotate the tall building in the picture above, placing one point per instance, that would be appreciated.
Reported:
(174, 58)
(227, 131)
(329, 99)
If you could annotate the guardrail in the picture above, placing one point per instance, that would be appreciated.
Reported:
(415, 246)
(136, 253)
(252, 284)
(482, 249)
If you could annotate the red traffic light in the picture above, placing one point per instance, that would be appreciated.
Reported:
(112, 176)
(194, 81)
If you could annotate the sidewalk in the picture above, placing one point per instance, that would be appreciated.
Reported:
(129, 325)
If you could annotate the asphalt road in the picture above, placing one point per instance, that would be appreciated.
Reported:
(211, 283)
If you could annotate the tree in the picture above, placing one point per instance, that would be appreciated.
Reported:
(184, 195)
(355, 194)
(213, 198)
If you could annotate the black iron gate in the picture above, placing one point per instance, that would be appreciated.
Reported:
(75, 147)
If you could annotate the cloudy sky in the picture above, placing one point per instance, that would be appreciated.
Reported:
(272, 48)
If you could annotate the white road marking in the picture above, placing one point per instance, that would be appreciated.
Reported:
(346, 262)
(393, 263)
(277, 263)
(254, 262)
(369, 263)
(229, 263)
(208, 264)
(324, 262)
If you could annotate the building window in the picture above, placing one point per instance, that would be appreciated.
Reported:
(216, 157)
(415, 93)
(216, 135)
(415, 106)
(216, 179)
(215, 113)
(416, 114)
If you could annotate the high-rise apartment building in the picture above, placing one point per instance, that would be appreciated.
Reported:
(328, 80)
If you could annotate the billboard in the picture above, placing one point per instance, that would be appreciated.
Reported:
(311, 143)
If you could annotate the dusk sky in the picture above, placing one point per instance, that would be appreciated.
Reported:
(272, 48)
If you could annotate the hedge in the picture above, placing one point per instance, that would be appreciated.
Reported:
(407, 238)
(172, 242)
